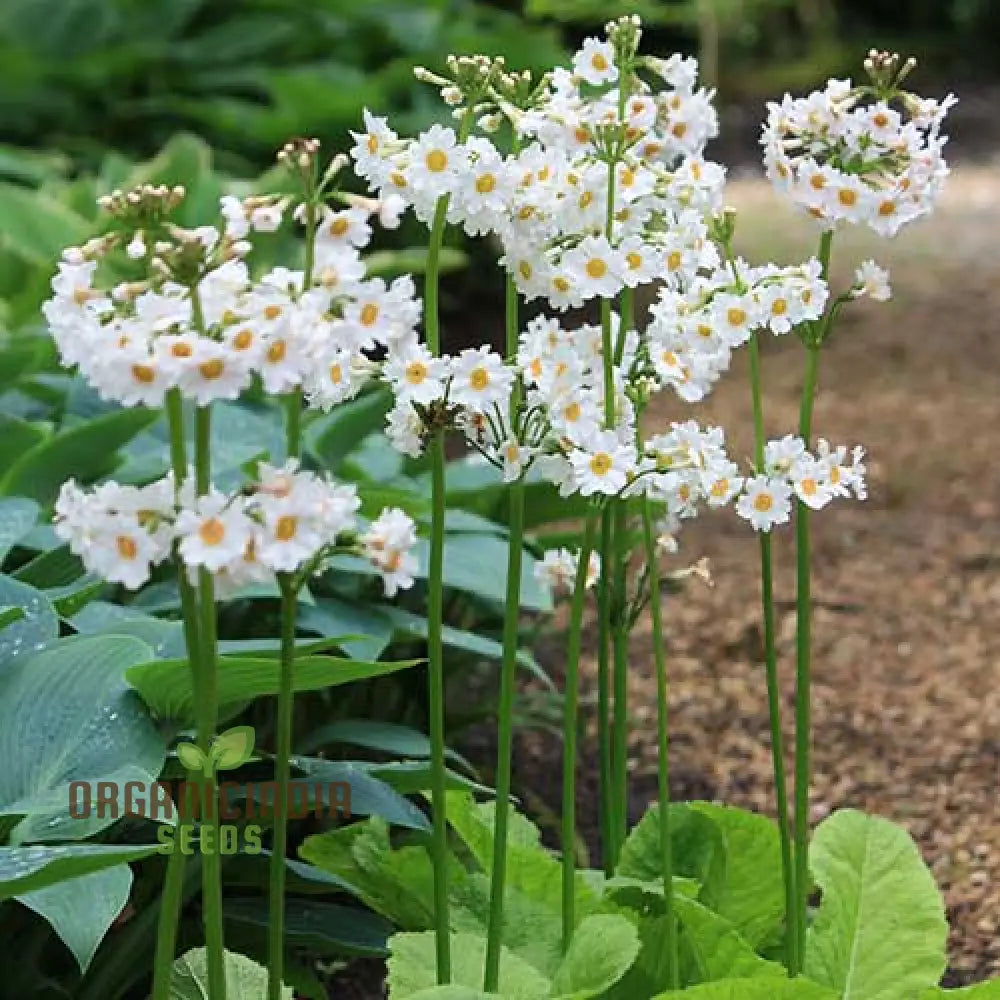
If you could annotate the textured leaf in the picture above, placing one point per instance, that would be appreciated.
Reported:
(81, 911)
(602, 949)
(880, 933)
(67, 715)
(412, 967)
(17, 518)
(245, 979)
(712, 949)
(28, 869)
(34, 630)
(753, 989)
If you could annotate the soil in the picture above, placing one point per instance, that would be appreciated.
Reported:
(906, 585)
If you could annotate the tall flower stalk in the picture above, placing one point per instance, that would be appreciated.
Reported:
(508, 676)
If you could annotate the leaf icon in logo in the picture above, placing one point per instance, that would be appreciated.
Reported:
(233, 747)
(192, 757)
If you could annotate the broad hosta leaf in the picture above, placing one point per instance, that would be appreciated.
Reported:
(36, 226)
(165, 639)
(753, 989)
(16, 437)
(412, 967)
(56, 568)
(712, 949)
(880, 932)
(35, 629)
(84, 451)
(81, 911)
(29, 869)
(385, 737)
(335, 436)
(66, 714)
(602, 949)
(330, 616)
(165, 685)
(17, 518)
(245, 979)
(327, 928)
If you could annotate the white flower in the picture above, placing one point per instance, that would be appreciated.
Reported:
(765, 502)
(603, 466)
(871, 280)
(436, 161)
(595, 62)
(388, 544)
(558, 569)
(810, 480)
(415, 374)
(214, 532)
(480, 380)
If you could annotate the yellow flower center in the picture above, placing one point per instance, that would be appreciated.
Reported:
(243, 339)
(634, 260)
(181, 350)
(416, 372)
(143, 373)
(674, 260)
(572, 412)
(336, 373)
(779, 307)
(525, 268)
(720, 487)
(486, 183)
(763, 502)
(212, 531)
(596, 268)
(808, 486)
(339, 226)
(600, 464)
(212, 369)
(126, 546)
(369, 314)
(887, 208)
(286, 527)
(561, 284)
(272, 312)
(847, 197)
(599, 61)
(436, 160)
(736, 316)
(276, 352)
(479, 378)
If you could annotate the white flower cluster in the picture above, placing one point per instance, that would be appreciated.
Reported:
(557, 569)
(791, 470)
(549, 203)
(694, 329)
(846, 154)
(288, 521)
(137, 341)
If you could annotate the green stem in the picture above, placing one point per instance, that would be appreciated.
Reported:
(207, 710)
(173, 886)
(282, 775)
(792, 949)
(803, 635)
(663, 747)
(619, 643)
(571, 709)
(508, 679)
(607, 804)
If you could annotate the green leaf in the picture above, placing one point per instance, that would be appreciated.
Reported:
(734, 854)
(9, 615)
(17, 517)
(385, 737)
(81, 911)
(245, 979)
(331, 438)
(331, 616)
(326, 928)
(36, 226)
(602, 949)
(397, 883)
(233, 748)
(85, 451)
(164, 638)
(55, 568)
(16, 437)
(880, 933)
(412, 967)
(37, 626)
(67, 715)
(28, 869)
(412, 260)
(712, 949)
(165, 685)
(753, 989)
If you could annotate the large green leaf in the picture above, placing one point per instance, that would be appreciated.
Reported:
(989, 990)
(84, 451)
(602, 949)
(36, 226)
(734, 854)
(245, 979)
(412, 967)
(326, 928)
(67, 715)
(753, 989)
(80, 911)
(35, 629)
(16, 437)
(17, 518)
(330, 438)
(880, 933)
(712, 949)
(165, 639)
(165, 685)
(29, 869)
